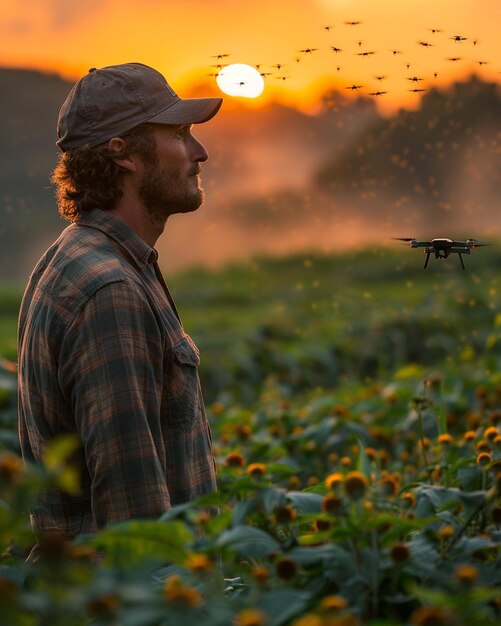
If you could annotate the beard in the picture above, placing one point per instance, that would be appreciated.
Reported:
(165, 193)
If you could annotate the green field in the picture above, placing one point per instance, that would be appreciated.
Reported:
(355, 401)
(310, 321)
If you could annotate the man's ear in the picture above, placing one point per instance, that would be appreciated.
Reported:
(117, 149)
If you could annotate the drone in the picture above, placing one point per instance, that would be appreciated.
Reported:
(443, 247)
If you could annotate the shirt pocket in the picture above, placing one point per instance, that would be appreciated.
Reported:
(183, 392)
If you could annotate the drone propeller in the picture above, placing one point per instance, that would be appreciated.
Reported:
(477, 244)
(405, 240)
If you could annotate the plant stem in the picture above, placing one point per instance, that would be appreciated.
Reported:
(375, 573)
(463, 528)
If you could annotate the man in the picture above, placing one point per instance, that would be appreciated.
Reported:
(102, 351)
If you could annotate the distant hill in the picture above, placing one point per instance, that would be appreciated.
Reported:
(28, 112)
(277, 178)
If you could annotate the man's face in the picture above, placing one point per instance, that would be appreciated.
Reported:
(171, 182)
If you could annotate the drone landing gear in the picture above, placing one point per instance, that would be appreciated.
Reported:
(443, 257)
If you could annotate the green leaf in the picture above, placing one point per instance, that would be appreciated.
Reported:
(305, 502)
(271, 498)
(69, 480)
(411, 370)
(249, 542)
(129, 542)
(442, 498)
(362, 463)
(319, 554)
(470, 477)
(58, 451)
(281, 605)
(242, 510)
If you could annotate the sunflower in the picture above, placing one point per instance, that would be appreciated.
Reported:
(250, 617)
(355, 485)
(178, 592)
(256, 469)
(286, 568)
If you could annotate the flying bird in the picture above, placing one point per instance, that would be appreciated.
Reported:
(279, 66)
(454, 59)
(336, 50)
(396, 51)
(377, 93)
(365, 54)
(436, 30)
(219, 56)
(414, 79)
(425, 44)
(354, 87)
(308, 50)
(327, 28)
(352, 23)
(417, 90)
(379, 77)
(459, 38)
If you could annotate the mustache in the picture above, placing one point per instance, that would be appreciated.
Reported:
(195, 171)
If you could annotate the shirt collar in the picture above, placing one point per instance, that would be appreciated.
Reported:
(141, 253)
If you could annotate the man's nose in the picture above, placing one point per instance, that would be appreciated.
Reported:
(199, 151)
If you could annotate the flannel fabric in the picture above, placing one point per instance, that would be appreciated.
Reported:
(103, 354)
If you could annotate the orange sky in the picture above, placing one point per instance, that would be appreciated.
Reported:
(178, 37)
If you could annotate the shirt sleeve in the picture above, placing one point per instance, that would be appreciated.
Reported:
(111, 372)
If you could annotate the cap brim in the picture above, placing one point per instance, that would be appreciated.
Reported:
(188, 111)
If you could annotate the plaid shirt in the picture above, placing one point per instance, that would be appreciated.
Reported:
(103, 354)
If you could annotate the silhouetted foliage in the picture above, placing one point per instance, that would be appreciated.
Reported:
(453, 141)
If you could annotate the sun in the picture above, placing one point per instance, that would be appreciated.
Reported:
(239, 79)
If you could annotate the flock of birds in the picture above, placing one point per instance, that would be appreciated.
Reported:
(415, 81)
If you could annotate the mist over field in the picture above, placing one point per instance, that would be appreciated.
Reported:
(279, 180)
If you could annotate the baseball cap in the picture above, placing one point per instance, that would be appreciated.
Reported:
(110, 101)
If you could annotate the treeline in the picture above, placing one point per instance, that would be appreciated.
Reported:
(446, 156)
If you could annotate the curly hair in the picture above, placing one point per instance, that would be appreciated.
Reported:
(87, 178)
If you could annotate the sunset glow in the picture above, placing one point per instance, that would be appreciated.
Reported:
(301, 50)
(241, 80)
